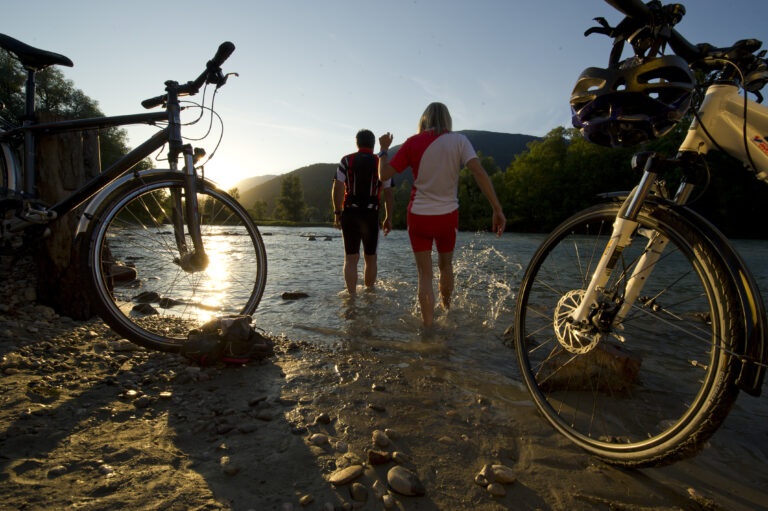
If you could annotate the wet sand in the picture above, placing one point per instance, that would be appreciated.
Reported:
(88, 421)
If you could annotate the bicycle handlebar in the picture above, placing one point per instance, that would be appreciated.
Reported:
(639, 11)
(212, 74)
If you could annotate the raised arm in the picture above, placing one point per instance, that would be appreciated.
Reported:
(484, 182)
(385, 169)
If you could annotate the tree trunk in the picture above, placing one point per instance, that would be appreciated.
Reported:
(64, 163)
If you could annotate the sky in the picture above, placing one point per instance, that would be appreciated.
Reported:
(312, 73)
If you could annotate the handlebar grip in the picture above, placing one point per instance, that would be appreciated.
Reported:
(222, 54)
(153, 102)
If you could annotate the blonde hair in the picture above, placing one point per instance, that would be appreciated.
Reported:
(435, 118)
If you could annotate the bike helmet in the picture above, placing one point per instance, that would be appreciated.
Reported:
(637, 100)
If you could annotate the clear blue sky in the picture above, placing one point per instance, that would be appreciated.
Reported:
(314, 72)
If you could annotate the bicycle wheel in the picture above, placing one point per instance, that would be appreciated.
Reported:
(654, 389)
(147, 297)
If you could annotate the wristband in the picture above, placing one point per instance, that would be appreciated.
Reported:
(383, 153)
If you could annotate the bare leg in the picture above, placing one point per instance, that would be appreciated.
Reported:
(350, 272)
(445, 263)
(370, 269)
(425, 291)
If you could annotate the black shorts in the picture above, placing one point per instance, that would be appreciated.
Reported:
(360, 224)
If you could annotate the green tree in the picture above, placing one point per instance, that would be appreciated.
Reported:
(259, 210)
(290, 204)
(234, 192)
(474, 211)
(57, 96)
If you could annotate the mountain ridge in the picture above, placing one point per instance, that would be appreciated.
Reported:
(316, 179)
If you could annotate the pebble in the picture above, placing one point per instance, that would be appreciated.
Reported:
(392, 433)
(496, 489)
(400, 458)
(318, 439)
(503, 474)
(379, 457)
(487, 473)
(227, 467)
(323, 418)
(404, 482)
(341, 447)
(306, 500)
(379, 489)
(380, 438)
(106, 469)
(358, 492)
(480, 480)
(388, 501)
(346, 475)
(57, 471)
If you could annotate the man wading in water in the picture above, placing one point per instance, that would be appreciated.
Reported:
(356, 187)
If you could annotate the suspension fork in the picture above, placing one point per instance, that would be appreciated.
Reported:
(623, 228)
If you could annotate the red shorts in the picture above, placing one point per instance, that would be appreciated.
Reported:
(422, 229)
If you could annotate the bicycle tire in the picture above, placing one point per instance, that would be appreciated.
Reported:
(131, 250)
(656, 397)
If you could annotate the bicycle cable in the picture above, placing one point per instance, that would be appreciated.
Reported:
(744, 125)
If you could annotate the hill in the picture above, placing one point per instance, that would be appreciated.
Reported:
(252, 182)
(316, 179)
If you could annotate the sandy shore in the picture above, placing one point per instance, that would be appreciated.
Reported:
(88, 421)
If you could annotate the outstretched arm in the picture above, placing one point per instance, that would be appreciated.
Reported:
(484, 182)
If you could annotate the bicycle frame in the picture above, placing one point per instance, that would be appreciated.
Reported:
(23, 183)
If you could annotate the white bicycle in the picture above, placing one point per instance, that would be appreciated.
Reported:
(637, 323)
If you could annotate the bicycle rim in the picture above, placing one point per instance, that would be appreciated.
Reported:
(652, 390)
(144, 294)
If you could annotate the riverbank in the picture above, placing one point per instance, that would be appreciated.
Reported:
(89, 421)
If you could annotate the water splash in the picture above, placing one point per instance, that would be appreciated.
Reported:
(486, 280)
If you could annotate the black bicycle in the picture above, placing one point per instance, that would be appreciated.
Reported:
(166, 249)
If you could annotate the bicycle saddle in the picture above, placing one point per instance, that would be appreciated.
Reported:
(33, 58)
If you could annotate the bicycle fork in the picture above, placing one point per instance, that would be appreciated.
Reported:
(623, 229)
(187, 213)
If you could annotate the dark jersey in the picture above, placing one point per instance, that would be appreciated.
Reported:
(359, 173)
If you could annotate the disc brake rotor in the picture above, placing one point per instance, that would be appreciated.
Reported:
(570, 336)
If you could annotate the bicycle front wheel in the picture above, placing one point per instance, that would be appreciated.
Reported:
(143, 293)
(651, 390)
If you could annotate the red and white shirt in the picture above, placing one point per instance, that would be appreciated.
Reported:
(436, 161)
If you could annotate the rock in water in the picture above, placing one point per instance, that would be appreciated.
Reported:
(607, 368)
(405, 482)
(293, 295)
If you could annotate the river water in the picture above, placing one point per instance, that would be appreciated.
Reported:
(487, 273)
(466, 344)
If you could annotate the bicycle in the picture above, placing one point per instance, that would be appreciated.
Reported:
(165, 249)
(637, 323)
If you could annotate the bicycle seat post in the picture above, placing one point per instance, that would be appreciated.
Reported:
(29, 139)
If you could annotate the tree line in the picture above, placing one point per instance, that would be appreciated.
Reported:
(561, 174)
